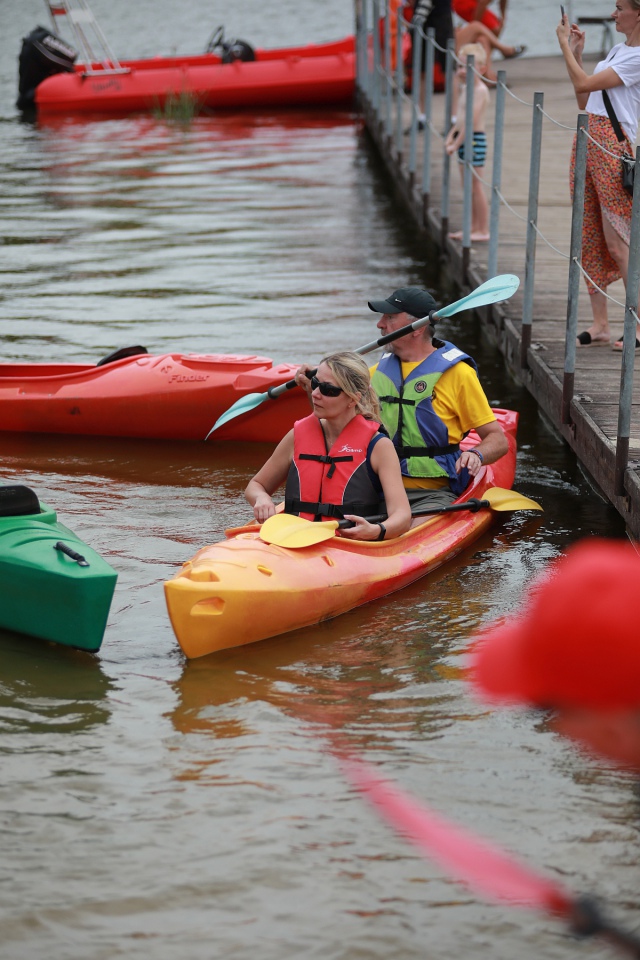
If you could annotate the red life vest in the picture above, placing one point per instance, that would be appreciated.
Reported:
(325, 483)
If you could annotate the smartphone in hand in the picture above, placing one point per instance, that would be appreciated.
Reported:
(562, 12)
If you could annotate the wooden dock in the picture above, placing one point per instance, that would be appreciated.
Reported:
(591, 432)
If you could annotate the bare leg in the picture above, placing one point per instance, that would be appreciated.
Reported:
(620, 253)
(476, 32)
(599, 329)
(480, 209)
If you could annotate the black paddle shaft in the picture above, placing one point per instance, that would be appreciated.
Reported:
(274, 392)
(587, 921)
(472, 505)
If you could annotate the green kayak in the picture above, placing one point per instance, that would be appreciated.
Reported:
(52, 585)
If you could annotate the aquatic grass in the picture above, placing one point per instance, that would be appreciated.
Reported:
(178, 107)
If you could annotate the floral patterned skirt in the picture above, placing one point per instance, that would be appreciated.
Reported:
(604, 197)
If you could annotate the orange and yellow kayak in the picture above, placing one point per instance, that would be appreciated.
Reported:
(242, 589)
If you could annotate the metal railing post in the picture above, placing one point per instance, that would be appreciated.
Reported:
(575, 253)
(387, 66)
(446, 160)
(366, 59)
(415, 99)
(496, 176)
(376, 58)
(428, 112)
(360, 63)
(399, 84)
(532, 222)
(629, 340)
(467, 191)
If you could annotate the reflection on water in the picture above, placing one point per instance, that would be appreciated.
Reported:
(49, 689)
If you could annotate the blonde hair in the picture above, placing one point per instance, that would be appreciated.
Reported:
(352, 374)
(477, 51)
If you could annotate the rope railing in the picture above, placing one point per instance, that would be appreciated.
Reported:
(383, 87)
(525, 103)
(604, 293)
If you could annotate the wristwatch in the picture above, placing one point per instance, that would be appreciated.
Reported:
(477, 453)
(383, 532)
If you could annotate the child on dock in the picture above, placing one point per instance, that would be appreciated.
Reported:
(456, 136)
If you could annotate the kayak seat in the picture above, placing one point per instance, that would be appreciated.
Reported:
(18, 501)
(121, 354)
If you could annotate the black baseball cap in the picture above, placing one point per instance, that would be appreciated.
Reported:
(412, 300)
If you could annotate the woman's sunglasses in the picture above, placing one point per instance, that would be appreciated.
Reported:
(326, 389)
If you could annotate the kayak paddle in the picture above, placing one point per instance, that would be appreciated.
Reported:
(478, 864)
(285, 530)
(492, 291)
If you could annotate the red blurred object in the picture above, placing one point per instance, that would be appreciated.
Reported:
(470, 859)
(575, 642)
(479, 864)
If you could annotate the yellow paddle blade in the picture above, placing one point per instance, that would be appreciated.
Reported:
(501, 499)
(283, 530)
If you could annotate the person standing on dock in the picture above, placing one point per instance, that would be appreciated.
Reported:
(573, 649)
(614, 88)
(436, 14)
(430, 398)
(454, 141)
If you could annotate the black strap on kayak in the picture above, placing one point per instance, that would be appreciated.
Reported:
(63, 548)
(325, 459)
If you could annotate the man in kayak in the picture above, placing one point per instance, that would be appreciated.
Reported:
(430, 398)
(336, 462)
(574, 649)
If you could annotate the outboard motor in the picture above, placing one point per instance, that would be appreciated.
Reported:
(42, 55)
(229, 50)
(233, 50)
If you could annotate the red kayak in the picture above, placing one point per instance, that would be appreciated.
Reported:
(173, 396)
(314, 75)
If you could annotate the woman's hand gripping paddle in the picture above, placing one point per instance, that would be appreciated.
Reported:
(478, 864)
(492, 291)
(285, 530)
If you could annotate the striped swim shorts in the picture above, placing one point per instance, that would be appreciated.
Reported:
(479, 150)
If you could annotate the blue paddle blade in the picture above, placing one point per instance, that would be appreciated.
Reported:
(492, 291)
(249, 402)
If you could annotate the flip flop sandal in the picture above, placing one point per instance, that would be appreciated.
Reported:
(517, 52)
(618, 344)
(586, 340)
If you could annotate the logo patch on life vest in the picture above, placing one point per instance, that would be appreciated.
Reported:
(420, 386)
(347, 449)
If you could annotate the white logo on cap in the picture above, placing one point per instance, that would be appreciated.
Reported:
(396, 300)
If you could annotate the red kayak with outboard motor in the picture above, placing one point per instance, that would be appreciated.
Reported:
(231, 74)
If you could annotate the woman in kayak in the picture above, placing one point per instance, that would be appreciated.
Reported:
(336, 463)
